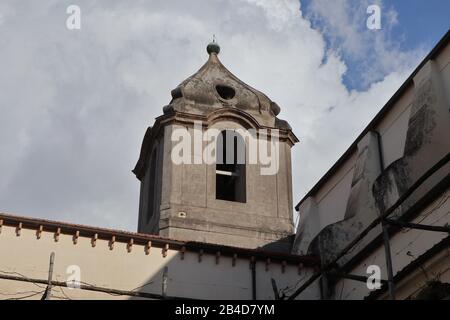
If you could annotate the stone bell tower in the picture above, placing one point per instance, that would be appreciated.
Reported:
(238, 202)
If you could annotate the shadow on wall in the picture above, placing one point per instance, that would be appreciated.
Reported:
(283, 245)
(195, 275)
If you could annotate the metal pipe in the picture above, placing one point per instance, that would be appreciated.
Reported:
(275, 289)
(324, 286)
(253, 270)
(414, 265)
(417, 226)
(387, 253)
(387, 245)
(352, 277)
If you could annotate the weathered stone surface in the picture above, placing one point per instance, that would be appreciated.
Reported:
(185, 205)
(427, 142)
(361, 209)
(373, 193)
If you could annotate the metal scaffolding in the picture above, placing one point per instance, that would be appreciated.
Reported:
(330, 269)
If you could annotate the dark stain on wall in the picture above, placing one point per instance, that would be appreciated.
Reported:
(421, 122)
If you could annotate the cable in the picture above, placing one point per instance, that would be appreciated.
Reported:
(17, 293)
(29, 296)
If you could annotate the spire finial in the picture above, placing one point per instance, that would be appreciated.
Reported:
(213, 47)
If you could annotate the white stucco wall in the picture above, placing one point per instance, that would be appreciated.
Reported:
(332, 196)
(28, 256)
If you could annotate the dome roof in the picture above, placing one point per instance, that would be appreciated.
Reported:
(213, 87)
(214, 93)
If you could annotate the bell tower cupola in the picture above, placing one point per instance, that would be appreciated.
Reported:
(216, 165)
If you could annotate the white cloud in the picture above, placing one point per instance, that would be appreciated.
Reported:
(376, 52)
(75, 104)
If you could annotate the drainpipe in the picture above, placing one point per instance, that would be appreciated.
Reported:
(253, 271)
(387, 246)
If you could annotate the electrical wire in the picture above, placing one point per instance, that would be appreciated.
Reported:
(28, 296)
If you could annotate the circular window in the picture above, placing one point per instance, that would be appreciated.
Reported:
(225, 92)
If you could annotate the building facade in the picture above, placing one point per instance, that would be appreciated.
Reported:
(376, 226)
(112, 264)
(385, 202)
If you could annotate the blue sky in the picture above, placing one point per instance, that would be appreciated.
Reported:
(421, 21)
(413, 26)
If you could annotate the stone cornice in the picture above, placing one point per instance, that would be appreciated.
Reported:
(188, 119)
(76, 230)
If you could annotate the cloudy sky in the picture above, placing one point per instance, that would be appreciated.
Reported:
(75, 104)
